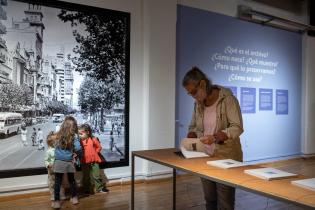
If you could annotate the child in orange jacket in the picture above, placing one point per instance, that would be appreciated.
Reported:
(90, 161)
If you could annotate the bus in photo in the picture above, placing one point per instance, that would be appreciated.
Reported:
(10, 122)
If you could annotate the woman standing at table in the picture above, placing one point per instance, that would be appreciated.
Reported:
(217, 120)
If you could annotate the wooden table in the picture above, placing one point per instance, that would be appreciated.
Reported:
(235, 177)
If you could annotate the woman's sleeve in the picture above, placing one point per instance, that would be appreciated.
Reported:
(234, 116)
(192, 125)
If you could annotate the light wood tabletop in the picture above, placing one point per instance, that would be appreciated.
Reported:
(279, 189)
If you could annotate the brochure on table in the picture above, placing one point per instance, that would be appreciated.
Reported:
(305, 183)
(269, 173)
(226, 163)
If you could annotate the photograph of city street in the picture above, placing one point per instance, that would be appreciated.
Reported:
(56, 62)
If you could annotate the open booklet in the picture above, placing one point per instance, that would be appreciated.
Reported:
(305, 183)
(269, 173)
(226, 163)
(193, 148)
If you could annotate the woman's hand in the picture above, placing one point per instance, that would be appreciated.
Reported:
(191, 135)
(220, 136)
(208, 139)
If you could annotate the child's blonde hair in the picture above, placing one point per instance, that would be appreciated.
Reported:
(51, 138)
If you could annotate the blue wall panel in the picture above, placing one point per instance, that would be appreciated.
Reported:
(245, 56)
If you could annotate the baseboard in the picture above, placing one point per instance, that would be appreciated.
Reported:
(43, 190)
(145, 179)
(308, 155)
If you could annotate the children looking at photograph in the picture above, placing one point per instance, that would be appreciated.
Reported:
(90, 161)
(67, 147)
(49, 163)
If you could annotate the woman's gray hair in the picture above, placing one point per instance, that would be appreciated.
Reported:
(195, 75)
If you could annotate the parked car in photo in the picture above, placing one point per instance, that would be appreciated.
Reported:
(58, 118)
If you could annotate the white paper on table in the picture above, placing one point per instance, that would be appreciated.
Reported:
(226, 163)
(305, 183)
(193, 148)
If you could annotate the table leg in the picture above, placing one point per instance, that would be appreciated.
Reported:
(132, 182)
(174, 189)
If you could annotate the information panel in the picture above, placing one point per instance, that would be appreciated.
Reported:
(265, 99)
(282, 99)
(248, 100)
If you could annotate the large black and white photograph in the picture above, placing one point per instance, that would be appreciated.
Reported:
(56, 61)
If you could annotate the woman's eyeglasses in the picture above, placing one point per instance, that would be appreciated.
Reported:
(194, 91)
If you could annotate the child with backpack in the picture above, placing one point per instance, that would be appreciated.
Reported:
(67, 147)
(90, 161)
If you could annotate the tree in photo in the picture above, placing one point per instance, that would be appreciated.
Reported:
(101, 49)
(55, 106)
(27, 95)
(13, 96)
(98, 97)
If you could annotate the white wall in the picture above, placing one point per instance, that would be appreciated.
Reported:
(152, 76)
(308, 96)
(159, 48)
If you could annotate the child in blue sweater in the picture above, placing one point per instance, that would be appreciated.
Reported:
(67, 148)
